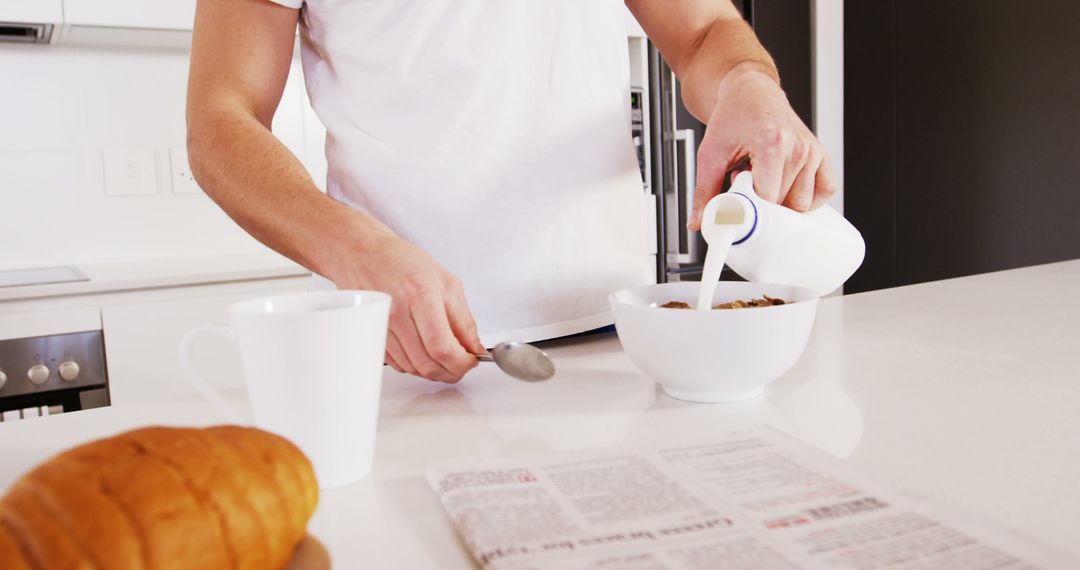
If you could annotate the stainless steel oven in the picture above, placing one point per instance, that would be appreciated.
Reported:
(54, 374)
(52, 360)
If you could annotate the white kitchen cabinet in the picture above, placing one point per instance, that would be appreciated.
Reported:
(144, 308)
(142, 340)
(31, 11)
(155, 14)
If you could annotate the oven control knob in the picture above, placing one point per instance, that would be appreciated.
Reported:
(3, 379)
(38, 374)
(69, 370)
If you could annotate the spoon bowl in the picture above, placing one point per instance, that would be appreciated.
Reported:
(522, 361)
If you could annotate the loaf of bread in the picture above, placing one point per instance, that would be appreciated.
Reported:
(161, 498)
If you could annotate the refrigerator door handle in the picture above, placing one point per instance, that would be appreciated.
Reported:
(686, 180)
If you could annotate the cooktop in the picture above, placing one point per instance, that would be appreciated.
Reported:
(41, 276)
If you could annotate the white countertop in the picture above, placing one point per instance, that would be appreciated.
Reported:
(127, 276)
(966, 392)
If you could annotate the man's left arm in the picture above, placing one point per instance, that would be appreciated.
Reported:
(730, 83)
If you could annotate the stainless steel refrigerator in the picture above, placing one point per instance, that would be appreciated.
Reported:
(784, 27)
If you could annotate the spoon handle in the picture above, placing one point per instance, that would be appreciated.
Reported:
(484, 357)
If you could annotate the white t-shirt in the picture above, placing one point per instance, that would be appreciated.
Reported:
(495, 135)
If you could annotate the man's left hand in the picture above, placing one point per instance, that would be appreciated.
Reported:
(753, 119)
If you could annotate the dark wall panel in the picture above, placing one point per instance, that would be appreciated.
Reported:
(784, 28)
(988, 135)
(869, 138)
(978, 102)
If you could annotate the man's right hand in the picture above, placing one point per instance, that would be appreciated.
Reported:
(432, 332)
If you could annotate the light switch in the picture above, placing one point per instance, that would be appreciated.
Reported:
(130, 171)
(183, 181)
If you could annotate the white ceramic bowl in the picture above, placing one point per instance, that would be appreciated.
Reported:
(713, 356)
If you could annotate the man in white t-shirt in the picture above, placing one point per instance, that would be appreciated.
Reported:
(481, 169)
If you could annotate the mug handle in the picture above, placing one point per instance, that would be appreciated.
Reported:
(197, 379)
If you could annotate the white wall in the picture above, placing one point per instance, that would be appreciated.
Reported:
(60, 106)
(829, 85)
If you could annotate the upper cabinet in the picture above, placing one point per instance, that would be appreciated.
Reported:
(152, 14)
(161, 23)
(136, 23)
(31, 11)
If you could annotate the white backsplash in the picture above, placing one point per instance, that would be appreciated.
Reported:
(61, 106)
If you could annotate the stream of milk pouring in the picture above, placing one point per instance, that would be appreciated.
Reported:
(719, 240)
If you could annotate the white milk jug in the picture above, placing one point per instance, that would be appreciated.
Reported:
(770, 243)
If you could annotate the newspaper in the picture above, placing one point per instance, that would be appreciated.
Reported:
(755, 499)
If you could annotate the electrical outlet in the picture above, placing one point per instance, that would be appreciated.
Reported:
(183, 182)
(130, 171)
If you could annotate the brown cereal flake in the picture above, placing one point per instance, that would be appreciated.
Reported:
(767, 301)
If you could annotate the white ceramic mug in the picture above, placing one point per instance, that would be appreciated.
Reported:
(313, 363)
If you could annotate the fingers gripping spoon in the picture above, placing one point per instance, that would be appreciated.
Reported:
(522, 361)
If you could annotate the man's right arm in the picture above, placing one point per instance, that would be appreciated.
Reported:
(235, 85)
(241, 54)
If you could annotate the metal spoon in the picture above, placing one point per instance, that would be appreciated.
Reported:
(520, 360)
